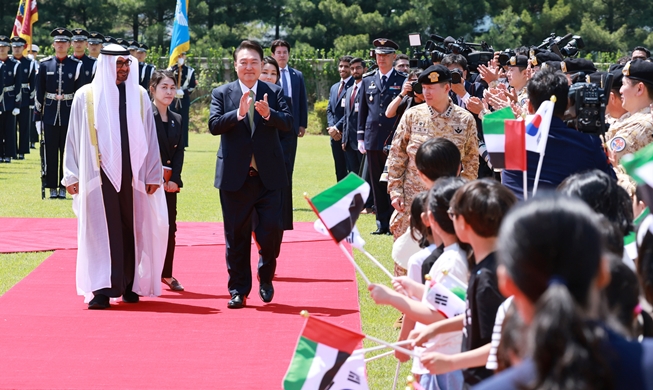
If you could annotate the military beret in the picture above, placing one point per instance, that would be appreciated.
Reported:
(518, 60)
(596, 78)
(618, 76)
(544, 56)
(95, 38)
(576, 65)
(639, 70)
(79, 34)
(384, 46)
(435, 74)
(4, 40)
(61, 34)
(142, 47)
(18, 41)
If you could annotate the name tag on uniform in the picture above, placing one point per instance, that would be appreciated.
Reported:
(356, 107)
(342, 103)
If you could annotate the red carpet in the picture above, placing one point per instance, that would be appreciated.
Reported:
(46, 234)
(187, 340)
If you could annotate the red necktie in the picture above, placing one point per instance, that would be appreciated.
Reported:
(342, 85)
(353, 96)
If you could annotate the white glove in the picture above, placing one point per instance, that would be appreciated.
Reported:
(39, 127)
(361, 147)
(16, 111)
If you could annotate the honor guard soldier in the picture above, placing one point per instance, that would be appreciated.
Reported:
(145, 70)
(186, 83)
(9, 100)
(33, 135)
(80, 43)
(122, 42)
(28, 68)
(132, 46)
(377, 90)
(95, 41)
(58, 79)
(109, 40)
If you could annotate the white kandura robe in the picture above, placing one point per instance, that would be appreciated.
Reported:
(150, 211)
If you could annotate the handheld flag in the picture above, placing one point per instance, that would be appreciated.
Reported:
(339, 206)
(321, 351)
(180, 41)
(505, 140)
(537, 127)
(351, 375)
(447, 295)
(630, 241)
(27, 15)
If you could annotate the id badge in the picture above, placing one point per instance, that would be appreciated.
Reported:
(342, 103)
(356, 107)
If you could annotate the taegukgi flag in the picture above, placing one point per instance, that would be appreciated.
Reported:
(322, 349)
(339, 206)
(537, 127)
(446, 294)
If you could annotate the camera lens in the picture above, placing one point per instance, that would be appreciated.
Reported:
(417, 87)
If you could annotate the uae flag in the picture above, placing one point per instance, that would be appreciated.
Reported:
(338, 207)
(630, 241)
(322, 349)
(505, 139)
(447, 295)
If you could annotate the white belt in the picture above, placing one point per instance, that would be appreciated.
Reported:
(54, 96)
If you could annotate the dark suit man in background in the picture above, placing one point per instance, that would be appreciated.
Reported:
(249, 172)
(348, 124)
(335, 111)
(292, 85)
(378, 89)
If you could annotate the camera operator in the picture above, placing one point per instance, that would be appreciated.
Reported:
(640, 53)
(567, 151)
(439, 117)
(410, 95)
(635, 132)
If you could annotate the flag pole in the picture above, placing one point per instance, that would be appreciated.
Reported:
(378, 347)
(379, 356)
(378, 264)
(394, 384)
(351, 259)
(393, 346)
(525, 184)
(537, 174)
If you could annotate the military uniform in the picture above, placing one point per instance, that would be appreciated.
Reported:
(377, 92)
(28, 68)
(58, 80)
(94, 38)
(145, 70)
(419, 124)
(10, 98)
(186, 84)
(89, 64)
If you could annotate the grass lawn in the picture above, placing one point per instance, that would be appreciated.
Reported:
(21, 197)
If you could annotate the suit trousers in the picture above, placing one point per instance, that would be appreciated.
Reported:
(237, 207)
(55, 142)
(375, 163)
(7, 134)
(339, 159)
(289, 146)
(24, 125)
(171, 202)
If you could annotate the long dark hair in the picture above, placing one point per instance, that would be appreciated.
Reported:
(271, 60)
(418, 231)
(551, 248)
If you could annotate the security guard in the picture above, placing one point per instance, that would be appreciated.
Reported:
(377, 90)
(186, 84)
(145, 70)
(58, 79)
(9, 101)
(28, 68)
(80, 43)
(95, 40)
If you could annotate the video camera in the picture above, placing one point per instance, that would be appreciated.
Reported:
(505, 56)
(586, 107)
(431, 52)
(573, 44)
(437, 47)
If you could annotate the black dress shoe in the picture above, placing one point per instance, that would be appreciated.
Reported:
(237, 301)
(130, 297)
(381, 231)
(21, 156)
(99, 302)
(266, 292)
(62, 193)
(53, 193)
(174, 285)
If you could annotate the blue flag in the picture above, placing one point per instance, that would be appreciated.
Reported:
(180, 34)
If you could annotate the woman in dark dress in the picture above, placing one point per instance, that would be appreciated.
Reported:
(169, 133)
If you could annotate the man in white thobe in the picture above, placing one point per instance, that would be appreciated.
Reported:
(112, 167)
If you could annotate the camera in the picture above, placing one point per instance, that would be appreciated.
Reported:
(431, 53)
(437, 47)
(456, 76)
(417, 88)
(505, 56)
(571, 48)
(586, 107)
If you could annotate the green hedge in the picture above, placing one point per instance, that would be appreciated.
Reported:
(320, 108)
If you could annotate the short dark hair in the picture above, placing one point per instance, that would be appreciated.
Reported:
(440, 197)
(357, 59)
(438, 157)
(642, 48)
(547, 83)
(159, 75)
(345, 58)
(279, 42)
(483, 203)
(648, 86)
(454, 59)
(251, 45)
(400, 57)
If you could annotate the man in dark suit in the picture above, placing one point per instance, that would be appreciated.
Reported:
(293, 88)
(378, 89)
(348, 124)
(335, 111)
(249, 172)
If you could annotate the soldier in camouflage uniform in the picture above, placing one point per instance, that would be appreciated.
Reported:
(439, 117)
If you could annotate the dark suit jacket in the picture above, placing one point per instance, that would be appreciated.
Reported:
(238, 143)
(373, 126)
(299, 103)
(170, 144)
(348, 124)
(335, 110)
